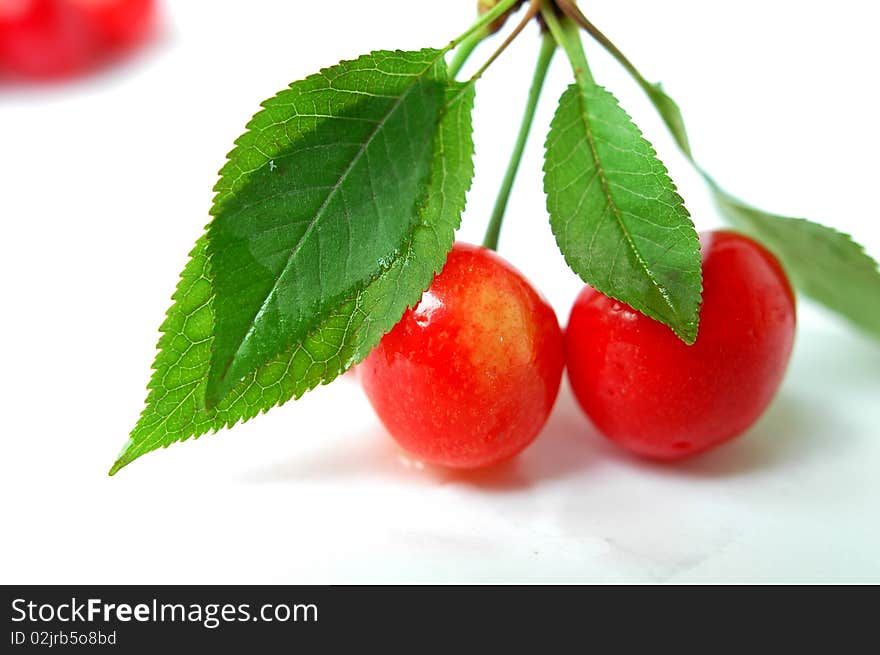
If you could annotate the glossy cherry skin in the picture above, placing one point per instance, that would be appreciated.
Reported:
(54, 39)
(649, 392)
(469, 376)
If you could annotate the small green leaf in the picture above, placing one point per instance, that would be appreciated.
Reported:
(176, 409)
(616, 215)
(825, 264)
(671, 115)
(319, 194)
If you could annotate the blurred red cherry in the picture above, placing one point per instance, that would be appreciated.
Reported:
(57, 39)
(118, 24)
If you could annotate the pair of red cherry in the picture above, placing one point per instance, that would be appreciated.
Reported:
(62, 38)
(469, 376)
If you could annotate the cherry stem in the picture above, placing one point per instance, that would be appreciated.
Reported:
(649, 88)
(482, 22)
(464, 51)
(533, 10)
(573, 12)
(567, 35)
(545, 56)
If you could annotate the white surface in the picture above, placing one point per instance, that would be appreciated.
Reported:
(105, 184)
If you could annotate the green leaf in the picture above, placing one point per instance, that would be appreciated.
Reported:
(667, 107)
(825, 264)
(176, 409)
(670, 113)
(318, 196)
(617, 217)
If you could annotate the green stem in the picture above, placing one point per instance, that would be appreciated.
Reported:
(464, 51)
(533, 10)
(666, 107)
(606, 43)
(545, 56)
(567, 35)
(496, 12)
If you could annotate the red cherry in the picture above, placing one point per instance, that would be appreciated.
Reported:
(655, 396)
(42, 39)
(63, 38)
(118, 24)
(469, 376)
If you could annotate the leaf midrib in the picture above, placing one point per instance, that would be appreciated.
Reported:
(320, 212)
(600, 173)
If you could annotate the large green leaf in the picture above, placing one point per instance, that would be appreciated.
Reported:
(825, 264)
(616, 215)
(176, 409)
(318, 197)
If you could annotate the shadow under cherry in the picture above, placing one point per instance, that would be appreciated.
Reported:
(794, 428)
(568, 445)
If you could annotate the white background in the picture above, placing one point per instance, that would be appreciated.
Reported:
(105, 184)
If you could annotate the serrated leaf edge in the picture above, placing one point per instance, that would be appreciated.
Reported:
(689, 334)
(123, 460)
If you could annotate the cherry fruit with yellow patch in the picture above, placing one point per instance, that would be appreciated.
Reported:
(468, 377)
